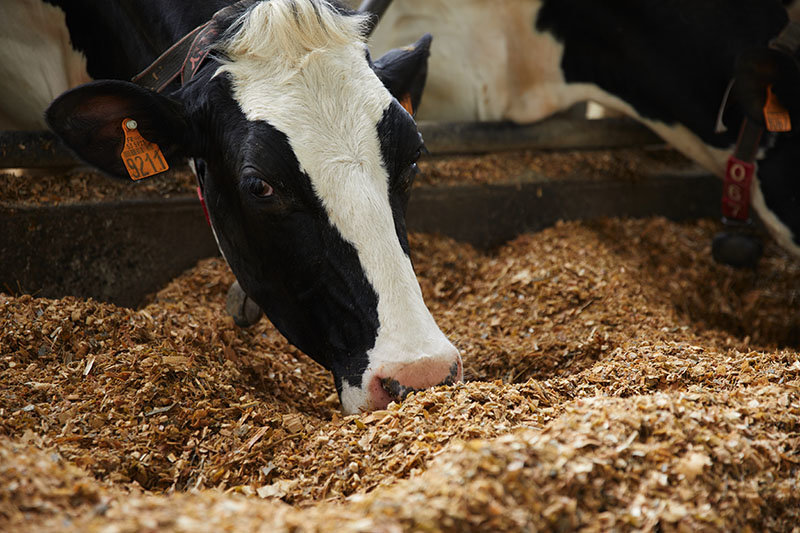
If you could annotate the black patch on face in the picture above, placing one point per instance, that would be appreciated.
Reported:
(283, 249)
(400, 147)
(671, 61)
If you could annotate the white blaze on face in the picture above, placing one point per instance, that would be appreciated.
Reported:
(306, 74)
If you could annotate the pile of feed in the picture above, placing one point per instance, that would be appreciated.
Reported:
(625, 164)
(616, 378)
(56, 187)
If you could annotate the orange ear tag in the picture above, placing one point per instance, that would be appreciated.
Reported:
(141, 158)
(407, 105)
(775, 115)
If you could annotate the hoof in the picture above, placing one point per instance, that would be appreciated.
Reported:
(739, 250)
(245, 312)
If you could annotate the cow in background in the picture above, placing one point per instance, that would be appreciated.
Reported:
(37, 62)
(666, 63)
(304, 155)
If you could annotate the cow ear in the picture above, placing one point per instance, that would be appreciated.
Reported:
(403, 72)
(89, 120)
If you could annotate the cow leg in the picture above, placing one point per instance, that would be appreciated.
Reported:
(245, 312)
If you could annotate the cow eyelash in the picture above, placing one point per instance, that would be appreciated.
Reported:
(421, 149)
(406, 178)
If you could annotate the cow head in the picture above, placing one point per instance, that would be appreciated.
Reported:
(305, 157)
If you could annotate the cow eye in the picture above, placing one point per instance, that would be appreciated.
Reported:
(406, 179)
(259, 187)
(262, 189)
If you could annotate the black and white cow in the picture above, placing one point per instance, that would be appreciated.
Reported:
(667, 63)
(304, 155)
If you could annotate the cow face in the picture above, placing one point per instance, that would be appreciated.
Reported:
(305, 157)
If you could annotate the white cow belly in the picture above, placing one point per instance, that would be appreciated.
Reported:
(37, 62)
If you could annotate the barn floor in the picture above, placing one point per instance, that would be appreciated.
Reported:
(616, 379)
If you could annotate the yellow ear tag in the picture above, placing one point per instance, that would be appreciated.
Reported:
(775, 115)
(141, 158)
(407, 105)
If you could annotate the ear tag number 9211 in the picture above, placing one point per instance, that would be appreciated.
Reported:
(141, 158)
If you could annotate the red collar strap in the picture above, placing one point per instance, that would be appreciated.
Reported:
(203, 203)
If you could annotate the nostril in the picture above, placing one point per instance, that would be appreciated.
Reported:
(399, 392)
(455, 373)
(395, 390)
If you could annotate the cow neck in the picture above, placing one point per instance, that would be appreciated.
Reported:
(185, 57)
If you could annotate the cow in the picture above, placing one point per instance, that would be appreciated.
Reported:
(302, 149)
(666, 63)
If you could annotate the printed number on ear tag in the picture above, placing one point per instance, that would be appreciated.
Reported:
(141, 158)
(776, 116)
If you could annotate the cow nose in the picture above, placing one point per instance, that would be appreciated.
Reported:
(393, 382)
